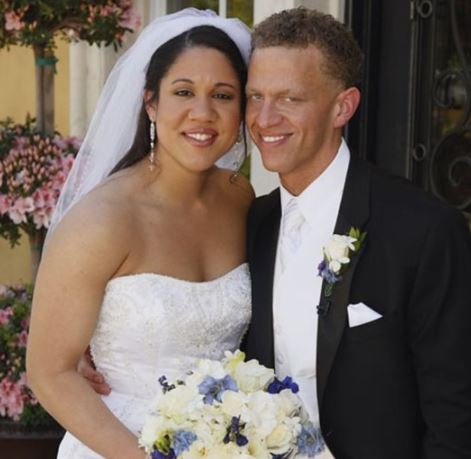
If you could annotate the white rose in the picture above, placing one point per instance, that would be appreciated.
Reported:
(228, 451)
(258, 448)
(234, 403)
(180, 403)
(196, 451)
(337, 251)
(288, 403)
(151, 429)
(251, 376)
(210, 433)
(281, 439)
(263, 412)
(212, 368)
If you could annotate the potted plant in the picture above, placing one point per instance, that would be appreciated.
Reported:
(37, 23)
(27, 430)
(33, 168)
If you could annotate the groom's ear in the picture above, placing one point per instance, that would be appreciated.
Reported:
(150, 103)
(348, 101)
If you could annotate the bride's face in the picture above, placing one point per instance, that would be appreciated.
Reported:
(197, 113)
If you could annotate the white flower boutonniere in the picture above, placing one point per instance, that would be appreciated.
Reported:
(337, 256)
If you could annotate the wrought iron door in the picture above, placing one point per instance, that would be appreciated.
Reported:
(440, 138)
(416, 115)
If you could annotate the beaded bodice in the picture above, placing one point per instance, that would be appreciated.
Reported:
(152, 325)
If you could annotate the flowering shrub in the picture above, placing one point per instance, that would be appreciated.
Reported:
(26, 22)
(17, 402)
(33, 168)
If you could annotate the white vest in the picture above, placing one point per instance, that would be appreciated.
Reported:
(296, 290)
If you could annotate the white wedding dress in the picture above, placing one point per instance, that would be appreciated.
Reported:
(152, 325)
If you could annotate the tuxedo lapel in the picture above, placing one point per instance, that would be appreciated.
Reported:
(354, 211)
(262, 264)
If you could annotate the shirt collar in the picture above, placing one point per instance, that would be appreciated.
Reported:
(328, 187)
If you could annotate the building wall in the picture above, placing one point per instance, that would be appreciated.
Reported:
(17, 98)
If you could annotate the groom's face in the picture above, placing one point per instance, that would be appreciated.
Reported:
(291, 108)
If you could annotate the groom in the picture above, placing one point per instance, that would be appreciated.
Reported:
(382, 349)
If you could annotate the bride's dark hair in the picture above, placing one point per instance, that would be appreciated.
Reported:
(161, 61)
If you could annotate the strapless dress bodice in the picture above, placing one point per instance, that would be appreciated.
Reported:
(152, 325)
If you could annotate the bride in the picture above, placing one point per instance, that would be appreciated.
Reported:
(145, 260)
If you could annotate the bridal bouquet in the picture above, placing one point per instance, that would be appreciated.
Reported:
(229, 409)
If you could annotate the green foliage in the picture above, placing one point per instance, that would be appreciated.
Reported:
(36, 22)
(359, 236)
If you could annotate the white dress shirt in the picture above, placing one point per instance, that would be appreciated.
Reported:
(297, 287)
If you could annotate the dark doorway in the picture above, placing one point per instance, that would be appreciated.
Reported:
(415, 117)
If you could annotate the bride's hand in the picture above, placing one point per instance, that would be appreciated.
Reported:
(86, 368)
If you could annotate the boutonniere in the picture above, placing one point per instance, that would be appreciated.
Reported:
(337, 256)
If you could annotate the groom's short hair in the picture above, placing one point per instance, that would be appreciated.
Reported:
(301, 27)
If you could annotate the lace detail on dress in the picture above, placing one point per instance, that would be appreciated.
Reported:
(150, 325)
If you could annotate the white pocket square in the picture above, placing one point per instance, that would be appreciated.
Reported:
(360, 313)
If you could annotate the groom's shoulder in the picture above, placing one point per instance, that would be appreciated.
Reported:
(263, 205)
(268, 199)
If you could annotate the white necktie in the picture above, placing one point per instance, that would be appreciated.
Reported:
(291, 239)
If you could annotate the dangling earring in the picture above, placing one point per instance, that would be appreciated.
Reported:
(152, 146)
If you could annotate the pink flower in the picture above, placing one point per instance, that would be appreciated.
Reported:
(58, 182)
(23, 379)
(13, 21)
(60, 142)
(11, 398)
(5, 204)
(109, 9)
(125, 4)
(21, 142)
(5, 315)
(67, 162)
(42, 217)
(25, 322)
(130, 20)
(17, 213)
(22, 338)
(43, 197)
(75, 142)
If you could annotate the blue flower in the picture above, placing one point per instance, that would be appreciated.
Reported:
(234, 434)
(326, 273)
(158, 455)
(276, 386)
(213, 388)
(310, 441)
(182, 440)
(166, 387)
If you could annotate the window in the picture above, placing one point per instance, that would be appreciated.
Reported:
(242, 9)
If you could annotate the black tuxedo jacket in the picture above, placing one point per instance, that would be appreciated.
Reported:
(398, 387)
